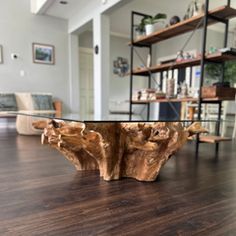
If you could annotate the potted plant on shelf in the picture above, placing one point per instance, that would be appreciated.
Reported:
(214, 72)
(155, 23)
(140, 29)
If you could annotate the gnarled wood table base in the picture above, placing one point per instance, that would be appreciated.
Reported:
(136, 150)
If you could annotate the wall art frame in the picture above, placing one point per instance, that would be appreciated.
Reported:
(120, 66)
(1, 54)
(43, 53)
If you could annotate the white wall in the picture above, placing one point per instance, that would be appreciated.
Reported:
(18, 30)
(119, 86)
(86, 39)
(173, 45)
(87, 9)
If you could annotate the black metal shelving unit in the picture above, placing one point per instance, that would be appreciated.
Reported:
(132, 45)
(204, 61)
(209, 17)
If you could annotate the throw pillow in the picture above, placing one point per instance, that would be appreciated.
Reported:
(42, 102)
(8, 102)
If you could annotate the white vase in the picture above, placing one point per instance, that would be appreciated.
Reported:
(159, 25)
(149, 29)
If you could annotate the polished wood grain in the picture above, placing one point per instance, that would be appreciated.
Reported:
(118, 149)
(42, 194)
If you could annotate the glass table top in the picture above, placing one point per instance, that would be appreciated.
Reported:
(76, 117)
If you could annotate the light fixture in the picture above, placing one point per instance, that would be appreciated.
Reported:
(63, 2)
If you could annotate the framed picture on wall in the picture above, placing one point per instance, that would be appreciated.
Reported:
(43, 53)
(1, 54)
(120, 66)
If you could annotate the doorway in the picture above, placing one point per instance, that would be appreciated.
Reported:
(86, 83)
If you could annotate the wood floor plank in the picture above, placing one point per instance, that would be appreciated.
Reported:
(42, 194)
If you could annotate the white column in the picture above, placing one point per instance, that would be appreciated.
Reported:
(74, 73)
(101, 40)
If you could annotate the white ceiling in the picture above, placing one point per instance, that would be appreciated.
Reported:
(120, 18)
(65, 11)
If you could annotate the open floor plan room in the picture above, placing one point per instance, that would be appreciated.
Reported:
(117, 117)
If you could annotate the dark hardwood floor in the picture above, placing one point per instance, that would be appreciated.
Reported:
(42, 194)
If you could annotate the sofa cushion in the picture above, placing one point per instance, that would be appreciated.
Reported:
(24, 101)
(42, 102)
(8, 102)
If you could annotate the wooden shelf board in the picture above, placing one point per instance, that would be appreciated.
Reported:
(188, 99)
(213, 139)
(218, 99)
(166, 66)
(185, 26)
(216, 57)
(221, 57)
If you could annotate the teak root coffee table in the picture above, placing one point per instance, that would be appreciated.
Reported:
(117, 149)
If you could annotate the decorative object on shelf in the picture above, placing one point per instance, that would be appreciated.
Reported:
(174, 20)
(120, 66)
(1, 54)
(199, 6)
(149, 60)
(214, 71)
(170, 88)
(43, 53)
(160, 94)
(140, 29)
(195, 8)
(188, 56)
(180, 56)
(178, 91)
(145, 94)
(151, 94)
(212, 50)
(137, 95)
(184, 90)
(155, 23)
(118, 149)
(218, 92)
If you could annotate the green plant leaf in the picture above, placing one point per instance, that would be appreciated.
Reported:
(149, 21)
(160, 16)
(214, 71)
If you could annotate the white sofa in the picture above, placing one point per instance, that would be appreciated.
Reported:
(32, 103)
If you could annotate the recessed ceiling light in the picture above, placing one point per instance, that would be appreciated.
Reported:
(63, 2)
